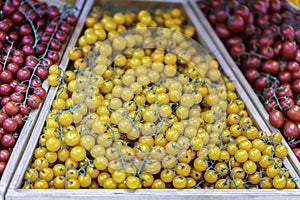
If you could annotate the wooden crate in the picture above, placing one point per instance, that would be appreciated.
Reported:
(30, 123)
(240, 76)
(15, 193)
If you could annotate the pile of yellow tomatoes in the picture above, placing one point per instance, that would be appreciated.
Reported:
(149, 118)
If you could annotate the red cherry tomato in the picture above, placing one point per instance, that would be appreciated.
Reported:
(276, 118)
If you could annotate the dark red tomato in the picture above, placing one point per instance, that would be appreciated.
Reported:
(275, 18)
(5, 89)
(268, 93)
(18, 17)
(251, 75)
(14, 83)
(13, 68)
(47, 62)
(41, 23)
(31, 61)
(236, 23)
(55, 45)
(17, 97)
(265, 40)
(11, 108)
(290, 129)
(41, 72)
(270, 105)
(4, 101)
(62, 37)
(33, 101)
(25, 30)
(36, 83)
(40, 48)
(237, 50)
(271, 67)
(45, 37)
(9, 125)
(4, 26)
(28, 49)
(276, 118)
(71, 19)
(233, 41)
(53, 12)
(275, 6)
(3, 116)
(271, 30)
(3, 36)
(296, 86)
(296, 75)
(6, 76)
(267, 52)
(261, 83)
(287, 32)
(285, 77)
(40, 91)
(2, 167)
(24, 109)
(243, 11)
(21, 88)
(262, 21)
(66, 28)
(221, 15)
(50, 29)
(259, 7)
(249, 30)
(286, 103)
(23, 74)
(19, 119)
(212, 18)
(18, 60)
(251, 62)
(53, 55)
(27, 39)
(14, 36)
(252, 42)
(222, 30)
(294, 113)
(4, 155)
(297, 153)
(289, 50)
(8, 141)
(285, 91)
(292, 66)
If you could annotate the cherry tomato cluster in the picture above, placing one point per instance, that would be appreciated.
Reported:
(31, 36)
(263, 38)
(131, 117)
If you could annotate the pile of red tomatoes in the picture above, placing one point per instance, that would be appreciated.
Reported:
(31, 35)
(263, 37)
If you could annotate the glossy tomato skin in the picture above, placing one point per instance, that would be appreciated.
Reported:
(276, 118)
(290, 129)
(222, 30)
(271, 67)
(289, 50)
(8, 141)
(236, 23)
(4, 155)
(294, 113)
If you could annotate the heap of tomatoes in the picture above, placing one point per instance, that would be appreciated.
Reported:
(263, 38)
(132, 117)
(31, 35)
